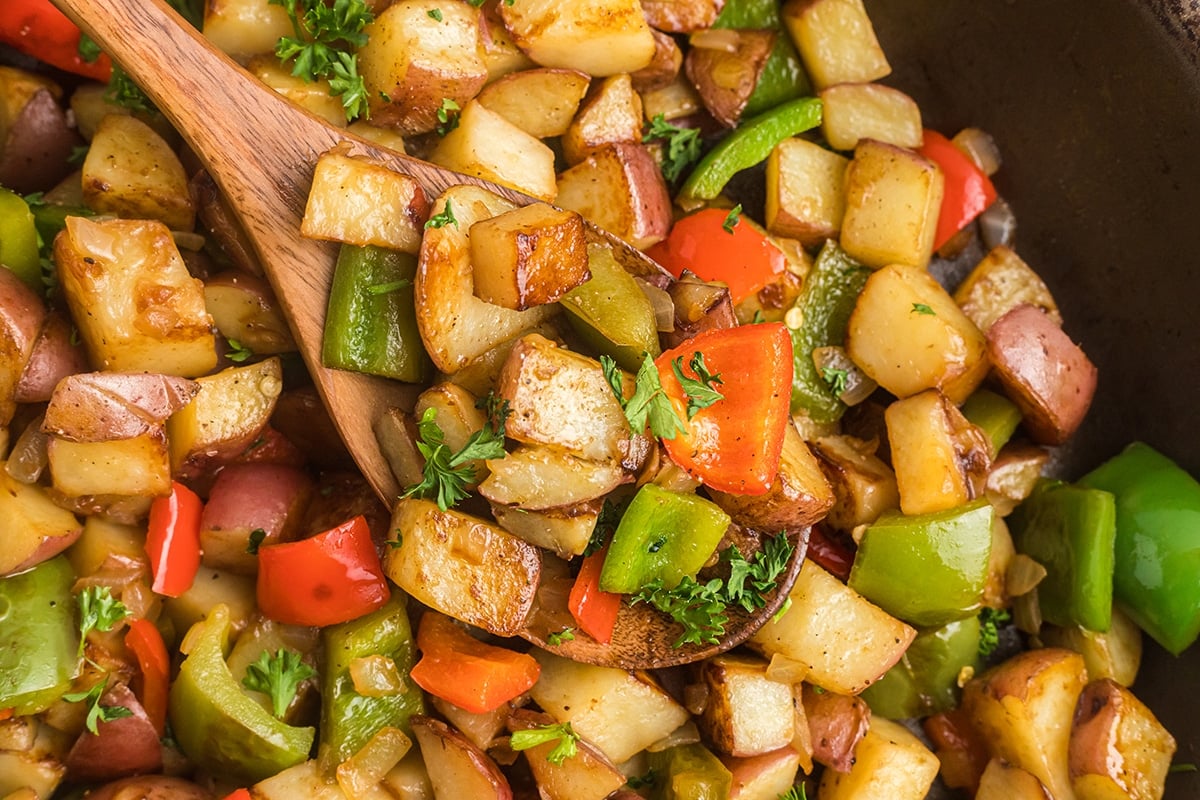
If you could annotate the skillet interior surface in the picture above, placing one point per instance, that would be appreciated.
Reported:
(1095, 105)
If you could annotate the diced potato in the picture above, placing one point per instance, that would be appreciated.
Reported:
(799, 496)
(893, 198)
(418, 54)
(396, 432)
(995, 590)
(851, 112)
(481, 728)
(1003, 781)
(846, 642)
(103, 406)
(455, 325)
(500, 52)
(541, 477)
(587, 775)
(620, 188)
(908, 335)
(681, 16)
(805, 191)
(619, 712)
(137, 466)
(566, 531)
(674, 101)
(245, 27)
(747, 714)
(1014, 473)
(131, 172)
(542, 102)
(601, 37)
(456, 767)
(1118, 747)
(385, 137)
(726, 76)
(836, 41)
(226, 416)
(998, 284)
(559, 397)
(359, 201)
(836, 725)
(941, 459)
(32, 527)
(462, 566)
(302, 780)
(244, 307)
(1023, 709)
(765, 777)
(488, 146)
(409, 780)
(1115, 654)
(129, 291)
(890, 764)
(313, 96)
(529, 256)
(1046, 374)
(458, 418)
(663, 69)
(22, 317)
(213, 587)
(863, 485)
(611, 113)
(103, 539)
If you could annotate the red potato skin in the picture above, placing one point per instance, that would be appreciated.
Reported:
(54, 357)
(22, 315)
(40, 142)
(50, 547)
(836, 723)
(125, 746)
(1046, 374)
(439, 734)
(103, 406)
(245, 497)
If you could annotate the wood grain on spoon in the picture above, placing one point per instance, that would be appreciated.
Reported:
(261, 150)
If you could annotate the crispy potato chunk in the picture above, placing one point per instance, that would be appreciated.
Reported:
(488, 146)
(600, 37)
(1118, 747)
(836, 41)
(611, 113)
(805, 191)
(726, 79)
(620, 188)
(863, 485)
(541, 477)
(998, 284)
(890, 764)
(542, 102)
(130, 171)
(747, 713)
(529, 256)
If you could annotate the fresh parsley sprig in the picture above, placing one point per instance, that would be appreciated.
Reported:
(750, 580)
(732, 219)
(699, 390)
(682, 145)
(326, 36)
(447, 474)
(97, 713)
(990, 622)
(649, 405)
(562, 733)
(98, 611)
(443, 218)
(278, 675)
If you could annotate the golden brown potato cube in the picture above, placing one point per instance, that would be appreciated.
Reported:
(893, 198)
(457, 417)
(566, 531)
(611, 113)
(137, 466)
(805, 191)
(541, 477)
(941, 459)
(1115, 654)
(456, 767)
(529, 256)
(676, 100)
(559, 397)
(396, 432)
(587, 775)
(620, 188)
(851, 112)
(500, 52)
(908, 335)
(863, 485)
(1118, 747)
(464, 567)
(998, 284)
(226, 416)
(359, 201)
(420, 53)
(836, 41)
(765, 777)
(844, 641)
(542, 102)
(799, 496)
(488, 146)
(682, 16)
(599, 37)
(243, 307)
(725, 78)
(131, 172)
(1003, 781)
(890, 763)
(1023, 709)
(747, 714)
(137, 308)
(245, 27)
(1046, 374)
(314, 96)
(32, 527)
(1014, 473)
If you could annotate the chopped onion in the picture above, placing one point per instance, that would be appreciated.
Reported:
(725, 39)
(858, 385)
(1027, 614)
(695, 298)
(695, 698)
(980, 147)
(998, 225)
(376, 676)
(687, 733)
(1023, 575)
(660, 301)
(28, 458)
(186, 240)
(359, 775)
(782, 669)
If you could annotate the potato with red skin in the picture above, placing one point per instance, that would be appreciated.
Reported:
(151, 787)
(245, 498)
(35, 154)
(726, 79)
(836, 724)
(456, 767)
(620, 188)
(123, 746)
(1118, 747)
(22, 314)
(56, 354)
(1046, 374)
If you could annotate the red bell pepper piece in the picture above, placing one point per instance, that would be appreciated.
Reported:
(144, 639)
(37, 28)
(173, 540)
(734, 445)
(238, 794)
(831, 550)
(968, 190)
(740, 256)
(462, 670)
(329, 578)
(594, 610)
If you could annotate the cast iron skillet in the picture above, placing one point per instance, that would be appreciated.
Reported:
(1096, 107)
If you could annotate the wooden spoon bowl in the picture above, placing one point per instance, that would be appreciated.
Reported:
(261, 150)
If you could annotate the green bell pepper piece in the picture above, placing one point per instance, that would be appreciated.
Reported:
(219, 726)
(783, 77)
(925, 679)
(689, 772)
(611, 313)
(1156, 576)
(349, 719)
(662, 535)
(926, 569)
(746, 146)
(1069, 530)
(994, 414)
(371, 324)
(19, 240)
(826, 301)
(39, 636)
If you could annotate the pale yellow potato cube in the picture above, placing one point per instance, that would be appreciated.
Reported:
(1118, 747)
(851, 112)
(32, 527)
(998, 284)
(130, 171)
(542, 477)
(488, 146)
(139, 466)
(893, 198)
(599, 37)
(529, 256)
(566, 531)
(747, 714)
(675, 100)
(542, 102)
(836, 41)
(611, 113)
(890, 763)
(1003, 781)
(806, 195)
(245, 27)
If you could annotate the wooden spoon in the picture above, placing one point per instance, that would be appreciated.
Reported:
(261, 150)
